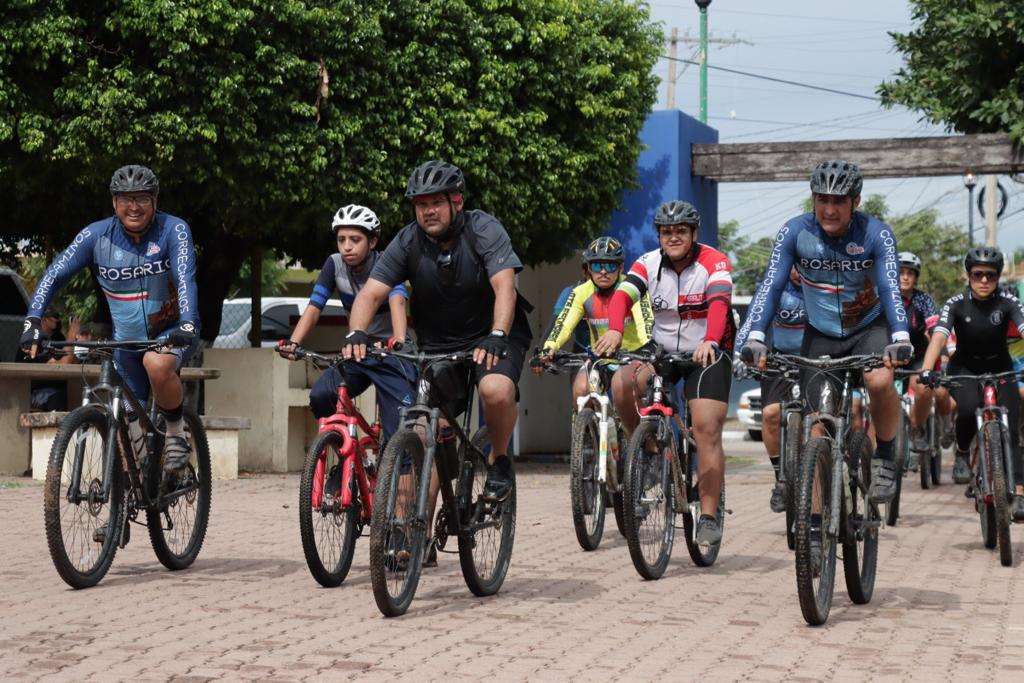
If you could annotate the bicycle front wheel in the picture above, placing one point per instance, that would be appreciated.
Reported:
(82, 529)
(588, 511)
(815, 551)
(485, 549)
(791, 461)
(993, 441)
(935, 444)
(859, 524)
(396, 540)
(177, 524)
(328, 530)
(648, 510)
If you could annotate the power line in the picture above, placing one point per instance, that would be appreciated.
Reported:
(844, 20)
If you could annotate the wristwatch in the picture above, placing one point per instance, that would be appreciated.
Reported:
(499, 333)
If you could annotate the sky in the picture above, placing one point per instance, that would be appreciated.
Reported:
(844, 46)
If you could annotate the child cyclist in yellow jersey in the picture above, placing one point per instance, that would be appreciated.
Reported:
(602, 268)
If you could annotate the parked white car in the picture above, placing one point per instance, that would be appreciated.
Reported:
(749, 412)
(278, 318)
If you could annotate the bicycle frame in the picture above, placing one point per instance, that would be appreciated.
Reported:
(598, 396)
(991, 411)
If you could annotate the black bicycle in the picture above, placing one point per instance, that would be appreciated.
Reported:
(399, 526)
(106, 467)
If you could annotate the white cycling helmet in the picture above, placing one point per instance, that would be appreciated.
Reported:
(357, 216)
(910, 260)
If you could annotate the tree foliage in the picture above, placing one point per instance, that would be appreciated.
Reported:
(963, 65)
(263, 116)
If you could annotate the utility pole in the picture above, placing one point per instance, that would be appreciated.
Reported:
(991, 195)
(673, 41)
(687, 39)
(703, 5)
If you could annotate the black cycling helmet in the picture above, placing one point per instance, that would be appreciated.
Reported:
(837, 177)
(435, 177)
(604, 249)
(988, 256)
(677, 212)
(134, 178)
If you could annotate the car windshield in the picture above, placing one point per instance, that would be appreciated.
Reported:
(233, 315)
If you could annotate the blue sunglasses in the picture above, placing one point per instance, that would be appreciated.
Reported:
(603, 267)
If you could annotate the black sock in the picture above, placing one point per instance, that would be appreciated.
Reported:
(885, 450)
(174, 414)
(503, 464)
(774, 460)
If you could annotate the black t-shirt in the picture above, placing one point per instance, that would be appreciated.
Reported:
(452, 299)
(980, 327)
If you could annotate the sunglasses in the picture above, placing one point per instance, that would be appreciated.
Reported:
(984, 276)
(603, 267)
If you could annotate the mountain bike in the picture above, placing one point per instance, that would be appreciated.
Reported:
(660, 478)
(832, 506)
(337, 483)
(106, 467)
(485, 531)
(594, 451)
(991, 461)
(901, 444)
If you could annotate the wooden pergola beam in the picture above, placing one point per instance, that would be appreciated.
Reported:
(878, 158)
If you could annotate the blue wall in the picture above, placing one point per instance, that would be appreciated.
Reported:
(663, 172)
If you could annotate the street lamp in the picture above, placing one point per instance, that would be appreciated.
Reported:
(702, 5)
(970, 180)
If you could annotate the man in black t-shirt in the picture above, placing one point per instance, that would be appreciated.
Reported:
(46, 394)
(462, 269)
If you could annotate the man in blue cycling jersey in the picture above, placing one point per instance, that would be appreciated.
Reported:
(145, 263)
(849, 271)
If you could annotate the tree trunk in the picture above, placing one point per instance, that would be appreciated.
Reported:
(215, 272)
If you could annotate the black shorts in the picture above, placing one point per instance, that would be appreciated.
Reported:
(872, 339)
(450, 382)
(776, 389)
(712, 382)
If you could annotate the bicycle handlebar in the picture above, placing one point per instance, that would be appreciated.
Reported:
(136, 344)
(786, 361)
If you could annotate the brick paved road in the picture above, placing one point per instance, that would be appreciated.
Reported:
(943, 608)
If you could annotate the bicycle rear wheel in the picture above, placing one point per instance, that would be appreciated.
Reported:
(934, 441)
(585, 491)
(815, 563)
(396, 542)
(859, 525)
(993, 442)
(82, 534)
(328, 531)
(648, 510)
(177, 525)
(486, 550)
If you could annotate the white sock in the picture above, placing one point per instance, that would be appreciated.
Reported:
(176, 428)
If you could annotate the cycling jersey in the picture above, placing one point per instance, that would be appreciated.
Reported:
(981, 329)
(922, 316)
(338, 275)
(149, 285)
(690, 307)
(787, 333)
(847, 281)
(588, 304)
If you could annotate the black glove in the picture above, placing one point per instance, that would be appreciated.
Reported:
(357, 338)
(494, 344)
(898, 352)
(33, 332)
(753, 352)
(931, 379)
(183, 335)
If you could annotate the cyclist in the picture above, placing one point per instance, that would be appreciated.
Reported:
(357, 230)
(980, 317)
(787, 333)
(847, 262)
(588, 302)
(690, 286)
(145, 263)
(462, 269)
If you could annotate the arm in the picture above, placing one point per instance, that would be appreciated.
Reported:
(762, 307)
(565, 323)
(183, 273)
(367, 302)
(718, 295)
(504, 284)
(935, 347)
(399, 320)
(887, 270)
(73, 259)
(310, 317)
(643, 318)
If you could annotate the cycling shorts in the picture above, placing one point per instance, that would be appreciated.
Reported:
(129, 365)
(712, 382)
(776, 390)
(450, 382)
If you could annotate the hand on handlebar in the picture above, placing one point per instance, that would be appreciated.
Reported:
(287, 348)
(356, 342)
(897, 354)
(608, 344)
(931, 379)
(754, 353)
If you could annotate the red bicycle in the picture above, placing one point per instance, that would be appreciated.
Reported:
(338, 480)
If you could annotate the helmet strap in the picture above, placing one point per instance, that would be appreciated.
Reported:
(457, 222)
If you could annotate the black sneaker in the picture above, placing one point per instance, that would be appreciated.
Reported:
(709, 530)
(177, 453)
(499, 480)
(961, 470)
(1017, 508)
(332, 486)
(778, 501)
(883, 480)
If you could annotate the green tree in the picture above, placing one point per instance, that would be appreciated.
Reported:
(262, 116)
(963, 65)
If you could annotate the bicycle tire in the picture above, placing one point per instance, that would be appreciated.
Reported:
(486, 554)
(617, 506)
(791, 455)
(328, 534)
(936, 446)
(189, 512)
(74, 557)
(986, 512)
(924, 466)
(702, 556)
(395, 570)
(648, 536)
(584, 489)
(901, 447)
(860, 546)
(815, 602)
(993, 440)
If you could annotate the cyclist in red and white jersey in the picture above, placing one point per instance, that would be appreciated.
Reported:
(690, 286)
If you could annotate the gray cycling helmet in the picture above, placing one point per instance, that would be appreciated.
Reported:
(677, 212)
(134, 178)
(435, 177)
(837, 177)
(910, 260)
(987, 256)
(604, 249)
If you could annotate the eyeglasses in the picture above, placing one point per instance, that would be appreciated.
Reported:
(603, 267)
(144, 201)
(674, 230)
(984, 276)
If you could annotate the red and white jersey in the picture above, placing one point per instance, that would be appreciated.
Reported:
(689, 307)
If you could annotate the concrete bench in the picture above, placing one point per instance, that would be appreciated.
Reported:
(221, 435)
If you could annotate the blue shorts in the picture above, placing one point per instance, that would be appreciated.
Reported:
(394, 379)
(129, 365)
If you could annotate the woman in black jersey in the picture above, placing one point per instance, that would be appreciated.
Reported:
(980, 316)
